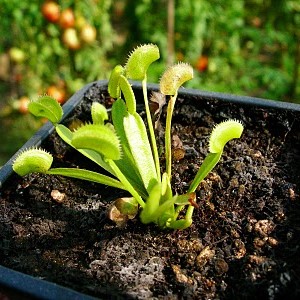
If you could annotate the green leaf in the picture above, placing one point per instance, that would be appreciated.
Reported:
(148, 214)
(139, 61)
(118, 112)
(223, 133)
(113, 83)
(166, 189)
(99, 113)
(32, 160)
(174, 77)
(66, 135)
(126, 164)
(128, 94)
(46, 107)
(87, 175)
(137, 138)
(126, 183)
(99, 138)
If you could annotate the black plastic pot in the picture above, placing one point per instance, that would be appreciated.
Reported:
(16, 285)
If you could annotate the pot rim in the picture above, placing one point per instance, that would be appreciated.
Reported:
(23, 285)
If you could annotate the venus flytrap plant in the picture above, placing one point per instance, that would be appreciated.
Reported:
(124, 149)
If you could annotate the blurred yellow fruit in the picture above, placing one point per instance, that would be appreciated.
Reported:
(88, 33)
(70, 39)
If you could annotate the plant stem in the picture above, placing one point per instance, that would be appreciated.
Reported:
(208, 164)
(126, 183)
(189, 212)
(168, 147)
(151, 130)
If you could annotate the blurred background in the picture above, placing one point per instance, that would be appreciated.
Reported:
(245, 47)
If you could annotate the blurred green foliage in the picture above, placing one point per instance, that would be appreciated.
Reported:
(246, 47)
(47, 58)
(251, 46)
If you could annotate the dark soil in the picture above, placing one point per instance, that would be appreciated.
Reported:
(244, 241)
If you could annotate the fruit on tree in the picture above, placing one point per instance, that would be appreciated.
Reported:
(16, 55)
(70, 39)
(202, 63)
(57, 93)
(51, 11)
(67, 19)
(23, 104)
(88, 33)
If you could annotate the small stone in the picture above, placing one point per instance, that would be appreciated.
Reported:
(178, 151)
(234, 183)
(290, 235)
(258, 260)
(180, 277)
(178, 154)
(238, 166)
(58, 196)
(250, 224)
(193, 245)
(205, 255)
(221, 266)
(292, 194)
(280, 216)
(241, 189)
(257, 154)
(234, 233)
(264, 227)
(240, 249)
(176, 142)
(190, 258)
(214, 177)
(259, 242)
(272, 242)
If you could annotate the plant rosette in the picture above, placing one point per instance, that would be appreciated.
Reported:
(241, 212)
(125, 149)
